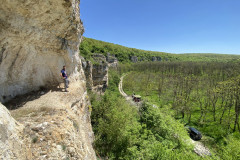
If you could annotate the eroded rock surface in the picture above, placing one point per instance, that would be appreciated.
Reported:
(112, 60)
(100, 73)
(56, 125)
(96, 73)
(87, 65)
(11, 141)
(36, 39)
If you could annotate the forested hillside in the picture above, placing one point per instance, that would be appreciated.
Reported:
(124, 54)
(198, 90)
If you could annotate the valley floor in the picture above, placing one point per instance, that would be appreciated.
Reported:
(199, 147)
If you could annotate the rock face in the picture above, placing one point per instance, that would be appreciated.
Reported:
(156, 59)
(10, 138)
(36, 39)
(134, 59)
(100, 73)
(112, 60)
(97, 72)
(88, 73)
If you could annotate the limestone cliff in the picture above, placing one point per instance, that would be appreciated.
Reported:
(112, 60)
(36, 39)
(97, 72)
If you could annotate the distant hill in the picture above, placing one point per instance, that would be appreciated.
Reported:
(207, 57)
(124, 54)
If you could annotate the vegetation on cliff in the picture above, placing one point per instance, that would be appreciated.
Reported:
(124, 54)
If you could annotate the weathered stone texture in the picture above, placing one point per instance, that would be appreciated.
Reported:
(87, 66)
(112, 60)
(11, 142)
(100, 73)
(36, 39)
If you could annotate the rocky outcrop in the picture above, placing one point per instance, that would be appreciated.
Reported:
(100, 73)
(134, 59)
(112, 60)
(156, 59)
(96, 72)
(11, 141)
(36, 39)
(88, 73)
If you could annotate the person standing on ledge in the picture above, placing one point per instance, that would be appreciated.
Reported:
(65, 78)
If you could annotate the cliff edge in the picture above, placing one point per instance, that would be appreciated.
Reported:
(36, 39)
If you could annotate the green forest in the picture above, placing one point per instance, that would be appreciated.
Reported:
(203, 95)
(198, 90)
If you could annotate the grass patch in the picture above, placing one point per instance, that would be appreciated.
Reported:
(30, 112)
(64, 147)
(23, 113)
(35, 139)
(75, 125)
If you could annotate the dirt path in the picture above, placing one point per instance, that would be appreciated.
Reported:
(53, 119)
(120, 87)
(128, 98)
(199, 147)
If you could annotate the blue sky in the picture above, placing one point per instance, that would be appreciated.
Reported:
(174, 26)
